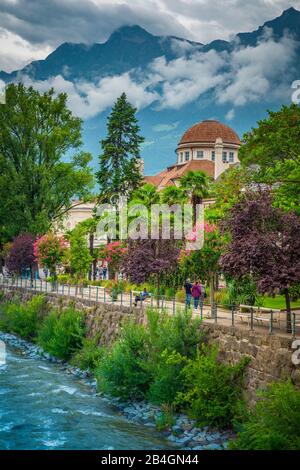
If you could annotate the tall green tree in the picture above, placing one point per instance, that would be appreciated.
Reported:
(79, 253)
(119, 171)
(37, 183)
(276, 138)
(273, 150)
(89, 226)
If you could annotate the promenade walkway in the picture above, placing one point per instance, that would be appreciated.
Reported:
(268, 321)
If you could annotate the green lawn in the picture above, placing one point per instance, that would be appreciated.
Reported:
(278, 302)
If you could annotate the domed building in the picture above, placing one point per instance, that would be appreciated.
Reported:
(209, 146)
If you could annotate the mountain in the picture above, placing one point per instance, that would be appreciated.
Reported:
(127, 48)
(287, 23)
(234, 81)
(132, 47)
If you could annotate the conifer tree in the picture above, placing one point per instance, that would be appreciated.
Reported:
(119, 171)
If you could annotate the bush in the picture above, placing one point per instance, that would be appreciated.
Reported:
(172, 340)
(61, 334)
(273, 424)
(180, 296)
(146, 361)
(165, 385)
(213, 390)
(89, 356)
(243, 291)
(23, 319)
(122, 370)
(165, 420)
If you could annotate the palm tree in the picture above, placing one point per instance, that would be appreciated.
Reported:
(173, 195)
(196, 185)
(146, 195)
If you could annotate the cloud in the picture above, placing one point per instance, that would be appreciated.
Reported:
(86, 99)
(165, 127)
(230, 115)
(255, 72)
(183, 80)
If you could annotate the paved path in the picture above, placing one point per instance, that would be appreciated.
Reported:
(223, 317)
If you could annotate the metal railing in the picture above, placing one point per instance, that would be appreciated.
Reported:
(253, 318)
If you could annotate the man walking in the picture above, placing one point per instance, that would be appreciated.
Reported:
(188, 293)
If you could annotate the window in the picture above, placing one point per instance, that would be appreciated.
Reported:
(200, 154)
(181, 157)
(213, 155)
(231, 157)
(224, 157)
(187, 156)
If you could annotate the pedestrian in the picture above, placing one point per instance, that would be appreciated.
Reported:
(141, 297)
(196, 293)
(104, 272)
(188, 292)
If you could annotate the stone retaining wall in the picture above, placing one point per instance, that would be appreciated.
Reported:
(270, 354)
(102, 320)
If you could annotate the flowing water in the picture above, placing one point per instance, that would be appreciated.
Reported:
(41, 407)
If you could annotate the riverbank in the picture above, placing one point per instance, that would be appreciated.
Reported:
(183, 432)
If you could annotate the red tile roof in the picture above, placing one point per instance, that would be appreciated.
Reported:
(167, 177)
(208, 131)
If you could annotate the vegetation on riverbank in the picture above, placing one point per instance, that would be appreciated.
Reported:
(273, 424)
(166, 362)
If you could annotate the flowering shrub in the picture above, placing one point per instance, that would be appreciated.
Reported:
(113, 253)
(49, 250)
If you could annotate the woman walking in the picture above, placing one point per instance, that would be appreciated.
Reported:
(196, 294)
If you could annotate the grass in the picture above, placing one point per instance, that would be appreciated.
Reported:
(278, 302)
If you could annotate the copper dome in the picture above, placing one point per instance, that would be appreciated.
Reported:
(208, 131)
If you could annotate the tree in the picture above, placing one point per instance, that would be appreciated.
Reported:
(146, 258)
(265, 242)
(277, 138)
(173, 195)
(79, 254)
(273, 149)
(4, 252)
(49, 251)
(89, 226)
(196, 185)
(36, 185)
(226, 190)
(146, 195)
(204, 264)
(113, 253)
(119, 171)
(285, 177)
(21, 255)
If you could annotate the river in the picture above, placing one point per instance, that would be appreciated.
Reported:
(42, 407)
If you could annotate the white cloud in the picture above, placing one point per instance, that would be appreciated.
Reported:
(255, 71)
(230, 115)
(185, 79)
(16, 52)
(165, 127)
(87, 100)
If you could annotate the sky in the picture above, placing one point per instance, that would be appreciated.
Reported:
(31, 29)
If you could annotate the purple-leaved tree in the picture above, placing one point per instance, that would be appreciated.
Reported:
(265, 242)
(21, 255)
(146, 258)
